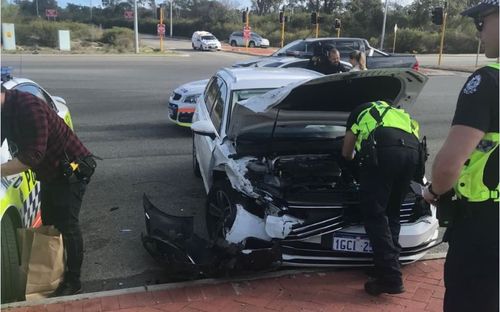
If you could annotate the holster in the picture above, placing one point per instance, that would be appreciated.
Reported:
(446, 209)
(423, 155)
(368, 153)
(86, 167)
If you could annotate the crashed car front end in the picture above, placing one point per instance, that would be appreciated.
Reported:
(280, 191)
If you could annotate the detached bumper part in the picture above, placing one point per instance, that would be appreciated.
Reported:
(172, 242)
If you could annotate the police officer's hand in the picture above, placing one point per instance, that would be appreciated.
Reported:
(428, 196)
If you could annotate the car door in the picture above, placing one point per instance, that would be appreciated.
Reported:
(204, 144)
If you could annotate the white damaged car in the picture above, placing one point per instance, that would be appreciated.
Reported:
(278, 190)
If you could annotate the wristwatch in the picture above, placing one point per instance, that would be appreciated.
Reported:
(429, 188)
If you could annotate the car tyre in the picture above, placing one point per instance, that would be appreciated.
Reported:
(233, 43)
(192, 44)
(251, 44)
(196, 165)
(11, 290)
(221, 209)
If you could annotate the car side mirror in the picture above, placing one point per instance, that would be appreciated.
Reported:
(59, 100)
(205, 128)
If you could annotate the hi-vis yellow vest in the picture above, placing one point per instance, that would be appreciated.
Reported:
(470, 185)
(388, 117)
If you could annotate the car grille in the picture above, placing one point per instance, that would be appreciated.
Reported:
(340, 217)
(173, 111)
(176, 96)
(185, 117)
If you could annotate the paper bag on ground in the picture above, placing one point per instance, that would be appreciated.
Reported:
(42, 260)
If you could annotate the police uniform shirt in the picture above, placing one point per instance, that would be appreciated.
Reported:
(355, 113)
(477, 107)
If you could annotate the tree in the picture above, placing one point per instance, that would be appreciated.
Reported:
(364, 18)
(262, 7)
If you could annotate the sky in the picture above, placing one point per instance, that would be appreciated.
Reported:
(242, 3)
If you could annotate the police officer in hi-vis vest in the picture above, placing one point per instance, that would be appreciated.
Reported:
(468, 163)
(386, 142)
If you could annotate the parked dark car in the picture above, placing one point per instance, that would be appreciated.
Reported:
(375, 58)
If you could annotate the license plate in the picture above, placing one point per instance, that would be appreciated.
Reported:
(352, 243)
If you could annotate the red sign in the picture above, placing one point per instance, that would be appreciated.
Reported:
(50, 12)
(160, 29)
(128, 14)
(246, 32)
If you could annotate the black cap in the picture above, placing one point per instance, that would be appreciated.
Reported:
(482, 7)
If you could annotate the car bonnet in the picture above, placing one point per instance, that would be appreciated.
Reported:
(328, 99)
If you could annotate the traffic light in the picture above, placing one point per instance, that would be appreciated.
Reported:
(314, 18)
(244, 17)
(337, 23)
(282, 15)
(437, 15)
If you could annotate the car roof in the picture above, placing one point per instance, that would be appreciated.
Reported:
(329, 38)
(264, 77)
(11, 83)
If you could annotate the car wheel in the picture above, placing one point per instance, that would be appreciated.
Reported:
(251, 44)
(233, 43)
(196, 165)
(192, 44)
(221, 209)
(10, 262)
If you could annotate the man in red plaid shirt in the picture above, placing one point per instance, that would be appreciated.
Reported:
(41, 141)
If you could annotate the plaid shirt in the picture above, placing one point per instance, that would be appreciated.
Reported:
(37, 136)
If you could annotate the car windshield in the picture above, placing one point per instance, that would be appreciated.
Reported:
(208, 38)
(241, 95)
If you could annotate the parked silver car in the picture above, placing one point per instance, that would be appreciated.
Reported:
(236, 39)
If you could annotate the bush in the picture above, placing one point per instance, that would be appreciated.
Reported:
(45, 33)
(119, 37)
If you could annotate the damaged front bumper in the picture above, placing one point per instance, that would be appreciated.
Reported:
(261, 243)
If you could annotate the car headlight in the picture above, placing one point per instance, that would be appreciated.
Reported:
(192, 98)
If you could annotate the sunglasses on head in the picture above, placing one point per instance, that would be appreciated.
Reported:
(479, 20)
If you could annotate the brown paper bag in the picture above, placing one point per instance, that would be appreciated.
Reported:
(42, 260)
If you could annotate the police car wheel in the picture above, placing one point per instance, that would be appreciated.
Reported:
(251, 44)
(233, 43)
(10, 262)
(196, 165)
(192, 44)
(221, 210)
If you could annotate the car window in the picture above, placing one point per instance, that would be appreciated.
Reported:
(377, 54)
(218, 109)
(208, 38)
(346, 47)
(299, 64)
(211, 94)
(36, 91)
(237, 34)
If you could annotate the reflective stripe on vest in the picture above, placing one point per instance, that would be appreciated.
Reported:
(470, 185)
(389, 117)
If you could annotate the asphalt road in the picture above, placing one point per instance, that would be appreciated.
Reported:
(119, 110)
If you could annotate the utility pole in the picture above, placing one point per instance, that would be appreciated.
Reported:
(383, 26)
(171, 18)
(136, 28)
(90, 11)
(443, 29)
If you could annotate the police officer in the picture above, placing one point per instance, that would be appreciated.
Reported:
(468, 163)
(386, 143)
(326, 60)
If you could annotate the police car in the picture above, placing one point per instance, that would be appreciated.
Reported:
(19, 194)
(182, 102)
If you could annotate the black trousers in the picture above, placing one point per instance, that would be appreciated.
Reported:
(471, 267)
(60, 206)
(383, 189)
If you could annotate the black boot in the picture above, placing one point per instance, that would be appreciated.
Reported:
(377, 286)
(67, 288)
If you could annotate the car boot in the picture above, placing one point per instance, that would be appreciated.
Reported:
(67, 288)
(378, 286)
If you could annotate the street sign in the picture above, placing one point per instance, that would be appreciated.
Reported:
(129, 14)
(246, 32)
(160, 29)
(50, 12)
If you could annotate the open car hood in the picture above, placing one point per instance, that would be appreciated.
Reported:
(327, 100)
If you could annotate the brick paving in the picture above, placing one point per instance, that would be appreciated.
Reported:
(332, 291)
